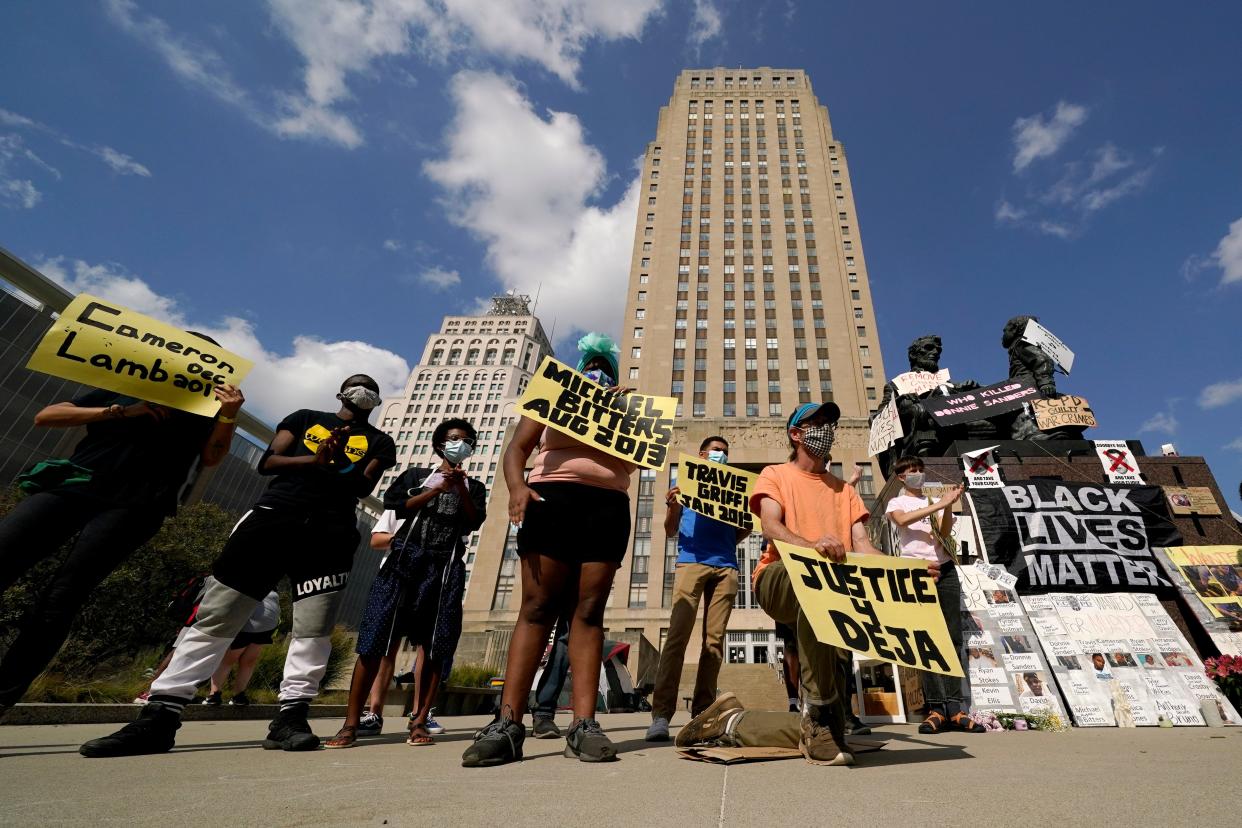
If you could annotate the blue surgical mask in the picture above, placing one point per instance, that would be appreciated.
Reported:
(457, 451)
(600, 376)
(718, 456)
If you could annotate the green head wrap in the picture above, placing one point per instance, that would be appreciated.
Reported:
(599, 345)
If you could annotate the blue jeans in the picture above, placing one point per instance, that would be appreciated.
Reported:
(552, 680)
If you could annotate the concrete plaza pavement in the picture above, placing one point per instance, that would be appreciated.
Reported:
(218, 774)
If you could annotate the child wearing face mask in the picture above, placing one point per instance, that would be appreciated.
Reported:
(418, 591)
(922, 529)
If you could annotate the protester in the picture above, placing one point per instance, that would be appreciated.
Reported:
(922, 535)
(551, 682)
(304, 526)
(418, 591)
(114, 492)
(244, 653)
(574, 520)
(802, 503)
(706, 570)
(727, 723)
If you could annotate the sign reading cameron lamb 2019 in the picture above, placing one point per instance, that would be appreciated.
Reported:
(1065, 537)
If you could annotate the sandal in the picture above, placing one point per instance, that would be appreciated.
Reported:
(934, 723)
(419, 736)
(344, 738)
(964, 723)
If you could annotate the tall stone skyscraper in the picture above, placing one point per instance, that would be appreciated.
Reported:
(748, 295)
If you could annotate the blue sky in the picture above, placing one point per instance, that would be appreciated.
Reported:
(319, 181)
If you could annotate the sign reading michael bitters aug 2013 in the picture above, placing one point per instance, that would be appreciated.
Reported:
(634, 427)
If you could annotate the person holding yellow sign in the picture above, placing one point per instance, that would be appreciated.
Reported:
(305, 526)
(114, 492)
(573, 516)
(802, 503)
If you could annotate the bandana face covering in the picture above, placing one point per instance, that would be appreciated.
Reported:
(818, 440)
(361, 397)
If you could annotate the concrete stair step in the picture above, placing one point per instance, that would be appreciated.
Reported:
(757, 686)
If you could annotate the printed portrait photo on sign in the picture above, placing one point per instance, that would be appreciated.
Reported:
(1016, 643)
(1069, 662)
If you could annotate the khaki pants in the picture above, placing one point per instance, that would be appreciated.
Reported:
(765, 728)
(819, 664)
(717, 587)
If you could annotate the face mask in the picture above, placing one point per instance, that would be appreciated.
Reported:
(600, 376)
(359, 396)
(457, 451)
(818, 440)
(914, 480)
(718, 457)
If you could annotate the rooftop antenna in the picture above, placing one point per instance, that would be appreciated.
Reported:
(535, 307)
(552, 336)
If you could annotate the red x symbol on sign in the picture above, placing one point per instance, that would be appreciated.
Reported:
(1119, 460)
(979, 465)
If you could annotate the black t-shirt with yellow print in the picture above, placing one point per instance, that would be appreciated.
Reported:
(333, 489)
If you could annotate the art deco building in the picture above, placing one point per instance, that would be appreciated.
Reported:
(748, 295)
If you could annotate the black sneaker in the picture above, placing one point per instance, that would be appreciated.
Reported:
(290, 730)
(214, 700)
(497, 744)
(154, 731)
(855, 726)
(240, 700)
(587, 743)
(545, 728)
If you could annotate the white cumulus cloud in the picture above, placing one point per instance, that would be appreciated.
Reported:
(1228, 254)
(524, 182)
(302, 374)
(1036, 137)
(1162, 422)
(705, 24)
(438, 278)
(1220, 393)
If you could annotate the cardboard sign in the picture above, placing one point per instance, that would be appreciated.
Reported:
(1060, 536)
(885, 429)
(1119, 463)
(1048, 342)
(981, 403)
(920, 382)
(1214, 573)
(106, 345)
(1192, 500)
(634, 427)
(981, 470)
(717, 491)
(1062, 411)
(884, 608)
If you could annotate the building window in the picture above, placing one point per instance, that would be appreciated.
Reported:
(636, 353)
(638, 333)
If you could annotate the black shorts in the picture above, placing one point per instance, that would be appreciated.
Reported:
(576, 523)
(315, 551)
(787, 636)
(245, 639)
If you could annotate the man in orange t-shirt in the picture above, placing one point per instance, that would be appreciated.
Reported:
(801, 503)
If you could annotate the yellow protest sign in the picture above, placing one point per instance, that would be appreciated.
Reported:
(634, 427)
(1215, 574)
(881, 607)
(717, 491)
(105, 345)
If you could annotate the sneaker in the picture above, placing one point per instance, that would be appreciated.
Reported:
(154, 731)
(240, 700)
(143, 697)
(855, 726)
(820, 746)
(545, 728)
(371, 724)
(586, 742)
(290, 730)
(658, 732)
(497, 744)
(711, 724)
(433, 727)
(214, 700)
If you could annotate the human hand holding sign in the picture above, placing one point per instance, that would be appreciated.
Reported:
(831, 547)
(231, 399)
(671, 499)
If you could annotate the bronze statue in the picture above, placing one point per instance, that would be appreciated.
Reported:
(1027, 361)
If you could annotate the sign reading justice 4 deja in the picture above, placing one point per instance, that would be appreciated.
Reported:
(105, 345)
(634, 427)
(717, 491)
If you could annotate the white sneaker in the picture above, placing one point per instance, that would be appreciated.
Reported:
(658, 732)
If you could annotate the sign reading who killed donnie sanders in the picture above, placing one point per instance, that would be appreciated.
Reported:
(881, 607)
(105, 345)
(634, 427)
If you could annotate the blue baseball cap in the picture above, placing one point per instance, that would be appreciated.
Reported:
(808, 410)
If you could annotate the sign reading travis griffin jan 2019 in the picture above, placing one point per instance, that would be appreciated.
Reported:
(981, 403)
(105, 345)
(634, 427)
(1076, 537)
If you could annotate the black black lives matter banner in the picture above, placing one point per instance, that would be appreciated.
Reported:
(1076, 537)
(981, 403)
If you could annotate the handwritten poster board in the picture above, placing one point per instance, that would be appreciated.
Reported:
(717, 491)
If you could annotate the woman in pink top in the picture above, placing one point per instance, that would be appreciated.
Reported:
(913, 515)
(573, 515)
